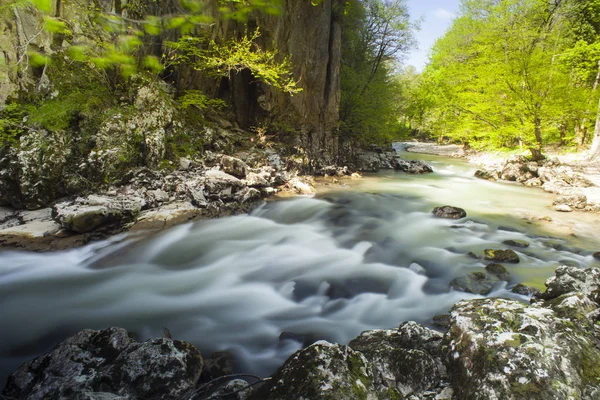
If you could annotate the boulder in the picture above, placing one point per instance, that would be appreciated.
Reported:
(501, 256)
(522, 244)
(323, 371)
(412, 166)
(596, 255)
(449, 212)
(220, 185)
(86, 214)
(475, 282)
(573, 200)
(525, 290)
(234, 166)
(499, 271)
(487, 175)
(562, 208)
(109, 365)
(406, 359)
(572, 279)
(504, 349)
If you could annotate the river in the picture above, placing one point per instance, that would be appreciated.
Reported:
(356, 257)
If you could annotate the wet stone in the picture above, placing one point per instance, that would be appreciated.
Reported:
(475, 282)
(449, 212)
(525, 290)
(522, 244)
(506, 256)
(499, 271)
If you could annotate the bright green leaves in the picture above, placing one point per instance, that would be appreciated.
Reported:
(196, 98)
(44, 6)
(153, 64)
(233, 56)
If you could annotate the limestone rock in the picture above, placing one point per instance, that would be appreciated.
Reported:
(219, 185)
(506, 256)
(322, 371)
(572, 200)
(572, 279)
(525, 290)
(109, 365)
(412, 166)
(234, 166)
(449, 212)
(504, 349)
(89, 213)
(487, 175)
(406, 359)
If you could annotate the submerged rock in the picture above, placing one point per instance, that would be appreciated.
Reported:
(525, 290)
(449, 212)
(108, 364)
(522, 244)
(499, 271)
(507, 256)
(475, 282)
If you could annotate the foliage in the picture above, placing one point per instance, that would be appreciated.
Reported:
(233, 56)
(376, 34)
(195, 98)
(12, 124)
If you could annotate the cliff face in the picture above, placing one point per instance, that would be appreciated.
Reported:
(309, 34)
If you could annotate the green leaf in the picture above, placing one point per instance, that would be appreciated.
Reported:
(153, 64)
(53, 25)
(44, 6)
(38, 60)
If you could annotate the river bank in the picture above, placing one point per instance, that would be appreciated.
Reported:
(573, 179)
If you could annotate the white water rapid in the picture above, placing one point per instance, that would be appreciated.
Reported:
(367, 256)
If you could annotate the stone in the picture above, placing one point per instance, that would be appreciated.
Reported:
(572, 279)
(412, 166)
(89, 213)
(220, 185)
(184, 163)
(322, 371)
(449, 212)
(234, 166)
(562, 208)
(256, 180)
(300, 187)
(501, 256)
(525, 290)
(499, 271)
(406, 359)
(574, 200)
(522, 244)
(596, 255)
(475, 282)
(504, 349)
(442, 321)
(219, 364)
(236, 389)
(481, 174)
(110, 364)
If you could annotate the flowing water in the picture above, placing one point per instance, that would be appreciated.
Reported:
(369, 255)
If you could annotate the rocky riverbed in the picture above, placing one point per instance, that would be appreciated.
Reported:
(214, 186)
(491, 349)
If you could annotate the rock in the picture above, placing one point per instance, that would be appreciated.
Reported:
(475, 282)
(442, 321)
(406, 359)
(573, 200)
(412, 166)
(219, 364)
(485, 175)
(499, 271)
(184, 163)
(449, 212)
(596, 255)
(505, 256)
(522, 244)
(219, 185)
(237, 389)
(300, 187)
(562, 208)
(107, 364)
(525, 290)
(504, 349)
(572, 279)
(257, 180)
(234, 166)
(169, 215)
(322, 371)
(86, 214)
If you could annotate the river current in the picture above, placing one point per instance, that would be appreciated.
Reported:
(363, 256)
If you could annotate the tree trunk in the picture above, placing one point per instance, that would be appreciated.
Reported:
(537, 121)
(595, 149)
